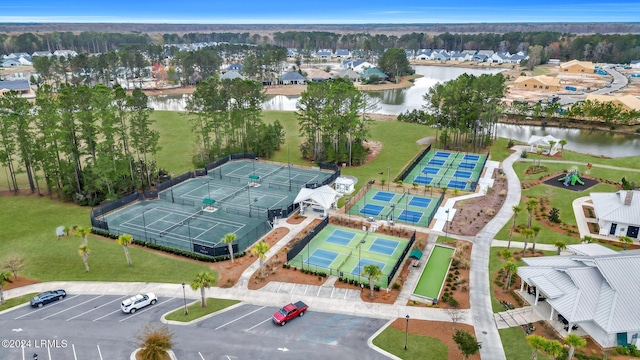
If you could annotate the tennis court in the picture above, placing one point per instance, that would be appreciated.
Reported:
(384, 196)
(433, 274)
(453, 170)
(340, 251)
(408, 208)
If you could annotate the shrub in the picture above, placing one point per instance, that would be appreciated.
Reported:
(396, 286)
(457, 272)
(453, 302)
(524, 154)
(510, 144)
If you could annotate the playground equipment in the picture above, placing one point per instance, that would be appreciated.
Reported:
(572, 177)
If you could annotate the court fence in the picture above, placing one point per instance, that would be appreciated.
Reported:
(401, 258)
(108, 206)
(297, 248)
(409, 168)
(484, 162)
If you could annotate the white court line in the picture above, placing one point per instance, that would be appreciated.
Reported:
(73, 347)
(201, 357)
(69, 308)
(258, 324)
(98, 307)
(99, 352)
(49, 352)
(104, 316)
(243, 316)
(144, 310)
(23, 353)
(45, 307)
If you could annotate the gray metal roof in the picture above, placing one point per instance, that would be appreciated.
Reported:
(590, 249)
(231, 75)
(15, 85)
(602, 289)
(610, 207)
(291, 76)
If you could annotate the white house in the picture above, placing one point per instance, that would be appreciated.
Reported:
(635, 64)
(618, 213)
(594, 289)
(65, 53)
(363, 66)
(344, 185)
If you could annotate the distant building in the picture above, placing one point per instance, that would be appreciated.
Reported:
(22, 87)
(628, 102)
(291, 78)
(540, 82)
(577, 67)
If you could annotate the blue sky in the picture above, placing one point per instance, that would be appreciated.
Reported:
(318, 12)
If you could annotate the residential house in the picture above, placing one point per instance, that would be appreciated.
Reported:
(441, 56)
(234, 67)
(540, 82)
(41, 53)
(634, 64)
(291, 78)
(499, 57)
(576, 66)
(22, 87)
(618, 213)
(367, 74)
(16, 56)
(9, 63)
(25, 62)
(457, 56)
(292, 52)
(487, 53)
(480, 58)
(230, 75)
(516, 58)
(343, 54)
(324, 54)
(65, 53)
(592, 291)
(468, 55)
(628, 102)
(409, 53)
(349, 74)
(363, 66)
(317, 75)
(554, 61)
(350, 64)
(423, 54)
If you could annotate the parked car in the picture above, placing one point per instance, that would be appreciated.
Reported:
(137, 302)
(289, 312)
(47, 297)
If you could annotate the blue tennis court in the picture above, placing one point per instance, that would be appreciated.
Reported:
(422, 180)
(410, 216)
(420, 202)
(363, 263)
(383, 196)
(442, 154)
(430, 170)
(436, 162)
(462, 174)
(322, 258)
(371, 209)
(471, 157)
(384, 246)
(467, 166)
(340, 237)
(454, 184)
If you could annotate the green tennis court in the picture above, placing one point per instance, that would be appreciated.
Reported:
(403, 207)
(345, 252)
(453, 170)
(434, 272)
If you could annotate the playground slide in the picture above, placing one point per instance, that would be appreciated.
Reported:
(576, 180)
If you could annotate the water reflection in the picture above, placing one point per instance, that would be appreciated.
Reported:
(582, 141)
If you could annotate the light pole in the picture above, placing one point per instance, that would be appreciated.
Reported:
(359, 270)
(184, 296)
(189, 230)
(254, 165)
(289, 166)
(249, 193)
(446, 226)
(388, 177)
(406, 332)
(144, 224)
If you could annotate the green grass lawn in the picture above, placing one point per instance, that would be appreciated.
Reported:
(9, 303)
(195, 310)
(434, 272)
(597, 172)
(418, 346)
(29, 225)
(514, 342)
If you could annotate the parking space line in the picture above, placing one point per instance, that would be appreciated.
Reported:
(95, 308)
(99, 352)
(49, 352)
(258, 324)
(147, 309)
(234, 320)
(319, 289)
(305, 290)
(45, 307)
(201, 357)
(104, 316)
(73, 347)
(23, 353)
(69, 308)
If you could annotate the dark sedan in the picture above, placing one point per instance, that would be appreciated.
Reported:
(47, 297)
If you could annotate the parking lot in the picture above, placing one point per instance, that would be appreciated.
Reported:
(93, 327)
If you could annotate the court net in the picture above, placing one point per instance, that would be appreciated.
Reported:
(181, 223)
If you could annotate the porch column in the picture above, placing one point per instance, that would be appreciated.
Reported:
(536, 302)
(521, 285)
(570, 326)
(551, 316)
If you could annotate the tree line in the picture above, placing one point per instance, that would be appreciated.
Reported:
(607, 47)
(84, 144)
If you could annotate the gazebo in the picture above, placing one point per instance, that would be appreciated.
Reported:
(535, 141)
(323, 198)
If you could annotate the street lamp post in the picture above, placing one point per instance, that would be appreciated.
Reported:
(184, 297)
(289, 166)
(406, 332)
(446, 226)
(359, 270)
(388, 177)
(189, 232)
(249, 194)
(144, 224)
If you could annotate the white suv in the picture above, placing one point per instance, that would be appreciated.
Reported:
(139, 301)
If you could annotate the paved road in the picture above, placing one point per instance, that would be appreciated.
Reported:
(93, 327)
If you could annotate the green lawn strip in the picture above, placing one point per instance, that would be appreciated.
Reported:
(434, 272)
(9, 303)
(196, 310)
(514, 342)
(499, 150)
(176, 141)
(29, 225)
(418, 346)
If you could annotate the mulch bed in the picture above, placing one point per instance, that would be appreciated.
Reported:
(555, 181)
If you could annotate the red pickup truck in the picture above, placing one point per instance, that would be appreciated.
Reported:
(289, 312)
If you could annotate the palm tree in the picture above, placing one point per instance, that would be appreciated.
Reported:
(261, 250)
(531, 205)
(528, 234)
(228, 239)
(516, 211)
(5, 277)
(575, 342)
(510, 268)
(536, 231)
(83, 231)
(372, 272)
(560, 245)
(551, 145)
(84, 252)
(125, 240)
(553, 349)
(537, 342)
(626, 241)
(155, 342)
(562, 144)
(203, 280)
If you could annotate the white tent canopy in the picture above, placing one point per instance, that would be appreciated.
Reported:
(536, 141)
(323, 196)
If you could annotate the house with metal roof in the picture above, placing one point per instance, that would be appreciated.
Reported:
(594, 290)
(22, 87)
(618, 213)
(230, 75)
(367, 74)
(343, 54)
(423, 54)
(41, 53)
(291, 78)
(324, 54)
(9, 63)
(634, 64)
(349, 74)
(234, 67)
(65, 53)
